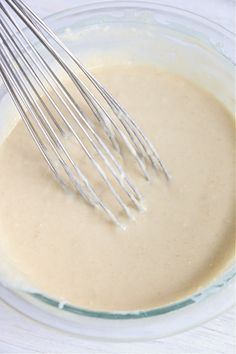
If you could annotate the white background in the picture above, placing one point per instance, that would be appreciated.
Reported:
(19, 334)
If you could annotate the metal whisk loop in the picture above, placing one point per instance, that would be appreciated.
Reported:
(29, 77)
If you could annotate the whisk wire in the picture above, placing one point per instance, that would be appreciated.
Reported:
(114, 105)
(29, 77)
(46, 92)
(36, 25)
(90, 194)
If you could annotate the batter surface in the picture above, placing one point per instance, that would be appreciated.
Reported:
(65, 249)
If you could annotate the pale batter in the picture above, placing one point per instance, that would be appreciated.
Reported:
(185, 239)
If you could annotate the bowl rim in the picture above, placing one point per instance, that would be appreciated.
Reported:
(103, 4)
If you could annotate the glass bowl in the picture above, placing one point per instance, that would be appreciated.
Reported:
(186, 38)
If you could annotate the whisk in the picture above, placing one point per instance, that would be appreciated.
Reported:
(33, 83)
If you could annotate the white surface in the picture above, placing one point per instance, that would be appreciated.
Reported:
(19, 334)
